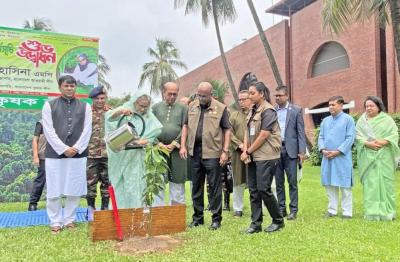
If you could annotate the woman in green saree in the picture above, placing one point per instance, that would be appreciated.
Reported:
(377, 152)
(126, 168)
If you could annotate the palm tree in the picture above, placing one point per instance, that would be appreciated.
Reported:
(267, 47)
(221, 11)
(219, 89)
(37, 23)
(160, 70)
(103, 68)
(43, 24)
(338, 14)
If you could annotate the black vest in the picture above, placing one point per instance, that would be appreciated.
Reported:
(68, 120)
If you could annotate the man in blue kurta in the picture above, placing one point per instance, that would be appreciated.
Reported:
(335, 139)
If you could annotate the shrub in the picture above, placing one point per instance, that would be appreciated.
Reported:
(316, 156)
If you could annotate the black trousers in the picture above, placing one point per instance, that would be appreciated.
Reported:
(202, 169)
(289, 166)
(260, 174)
(38, 183)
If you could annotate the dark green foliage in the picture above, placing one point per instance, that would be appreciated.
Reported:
(316, 156)
(115, 102)
(220, 89)
(396, 118)
(16, 169)
(156, 166)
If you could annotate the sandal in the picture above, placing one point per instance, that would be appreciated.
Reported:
(70, 226)
(55, 230)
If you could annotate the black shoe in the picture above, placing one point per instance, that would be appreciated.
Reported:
(32, 207)
(292, 216)
(104, 203)
(238, 214)
(284, 213)
(91, 202)
(226, 201)
(226, 207)
(215, 225)
(195, 224)
(274, 227)
(252, 230)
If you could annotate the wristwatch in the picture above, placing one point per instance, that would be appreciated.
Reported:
(247, 153)
(225, 151)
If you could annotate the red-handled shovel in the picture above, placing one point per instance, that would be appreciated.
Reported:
(116, 214)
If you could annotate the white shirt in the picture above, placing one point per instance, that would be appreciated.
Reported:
(66, 176)
(55, 141)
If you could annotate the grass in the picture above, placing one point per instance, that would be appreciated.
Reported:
(310, 238)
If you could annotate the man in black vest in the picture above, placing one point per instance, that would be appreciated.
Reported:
(67, 125)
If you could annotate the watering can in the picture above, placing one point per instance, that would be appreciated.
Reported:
(124, 137)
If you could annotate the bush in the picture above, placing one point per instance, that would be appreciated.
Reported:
(316, 156)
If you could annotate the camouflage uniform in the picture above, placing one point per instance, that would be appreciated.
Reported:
(97, 163)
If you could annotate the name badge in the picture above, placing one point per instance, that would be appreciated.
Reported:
(252, 130)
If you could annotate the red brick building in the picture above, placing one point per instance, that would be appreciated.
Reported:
(315, 65)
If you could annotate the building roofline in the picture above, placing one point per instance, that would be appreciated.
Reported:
(288, 7)
(234, 47)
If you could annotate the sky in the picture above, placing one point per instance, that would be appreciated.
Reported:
(127, 28)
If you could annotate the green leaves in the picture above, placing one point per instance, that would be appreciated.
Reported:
(156, 167)
(220, 89)
(338, 14)
(225, 9)
(161, 69)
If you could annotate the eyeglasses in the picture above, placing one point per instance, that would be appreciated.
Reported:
(279, 95)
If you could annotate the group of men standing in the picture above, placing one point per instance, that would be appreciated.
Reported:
(74, 160)
(206, 131)
(210, 135)
(75, 157)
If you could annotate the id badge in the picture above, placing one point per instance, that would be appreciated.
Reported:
(252, 130)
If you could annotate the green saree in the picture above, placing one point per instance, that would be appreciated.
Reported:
(377, 168)
(126, 168)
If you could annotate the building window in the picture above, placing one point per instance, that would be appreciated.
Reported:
(330, 57)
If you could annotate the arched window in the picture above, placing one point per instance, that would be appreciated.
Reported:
(331, 57)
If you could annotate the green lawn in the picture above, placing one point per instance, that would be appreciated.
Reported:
(310, 238)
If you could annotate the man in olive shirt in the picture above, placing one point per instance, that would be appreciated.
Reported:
(172, 116)
(207, 131)
(239, 126)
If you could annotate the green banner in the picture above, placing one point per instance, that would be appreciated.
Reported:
(32, 61)
(22, 102)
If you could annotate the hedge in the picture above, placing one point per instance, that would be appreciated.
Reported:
(316, 156)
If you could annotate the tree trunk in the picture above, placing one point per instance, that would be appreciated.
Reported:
(395, 16)
(221, 49)
(266, 45)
